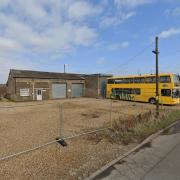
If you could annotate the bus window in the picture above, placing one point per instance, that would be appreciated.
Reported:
(110, 81)
(154, 79)
(131, 80)
(166, 92)
(142, 80)
(127, 91)
(116, 91)
(165, 79)
(176, 93)
(137, 91)
(176, 80)
(137, 80)
(149, 79)
(127, 80)
(118, 81)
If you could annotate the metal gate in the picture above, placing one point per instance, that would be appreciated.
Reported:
(77, 90)
(59, 91)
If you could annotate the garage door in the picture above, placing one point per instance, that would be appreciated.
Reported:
(59, 91)
(77, 90)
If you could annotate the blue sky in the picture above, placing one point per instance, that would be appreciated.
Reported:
(89, 36)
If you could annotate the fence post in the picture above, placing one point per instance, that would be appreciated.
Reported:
(134, 97)
(61, 122)
(110, 114)
(61, 140)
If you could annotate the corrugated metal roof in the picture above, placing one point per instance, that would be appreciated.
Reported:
(44, 75)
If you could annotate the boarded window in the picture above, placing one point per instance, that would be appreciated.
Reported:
(24, 92)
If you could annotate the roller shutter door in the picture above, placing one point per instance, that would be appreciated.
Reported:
(77, 90)
(59, 91)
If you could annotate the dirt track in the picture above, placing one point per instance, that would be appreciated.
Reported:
(30, 124)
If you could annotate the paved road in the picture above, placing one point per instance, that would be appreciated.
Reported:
(158, 160)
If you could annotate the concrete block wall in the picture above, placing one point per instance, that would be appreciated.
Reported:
(34, 84)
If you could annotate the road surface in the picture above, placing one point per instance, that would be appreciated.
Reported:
(158, 160)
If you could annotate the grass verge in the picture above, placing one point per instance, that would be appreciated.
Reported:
(137, 128)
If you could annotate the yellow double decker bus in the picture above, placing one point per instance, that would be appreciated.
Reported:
(142, 88)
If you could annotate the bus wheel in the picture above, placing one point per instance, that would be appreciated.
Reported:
(152, 101)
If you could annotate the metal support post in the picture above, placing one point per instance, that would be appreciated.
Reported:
(110, 114)
(61, 140)
(156, 52)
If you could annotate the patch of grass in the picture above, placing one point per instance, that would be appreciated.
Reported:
(143, 130)
(136, 128)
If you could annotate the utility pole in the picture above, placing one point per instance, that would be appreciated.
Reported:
(156, 52)
(64, 68)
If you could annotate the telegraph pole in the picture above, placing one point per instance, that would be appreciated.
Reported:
(156, 52)
(64, 68)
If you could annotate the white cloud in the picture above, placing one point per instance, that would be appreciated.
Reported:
(45, 27)
(131, 3)
(168, 33)
(116, 20)
(84, 36)
(123, 10)
(7, 45)
(117, 46)
(81, 9)
(7, 63)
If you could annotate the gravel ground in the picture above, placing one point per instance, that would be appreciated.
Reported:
(33, 123)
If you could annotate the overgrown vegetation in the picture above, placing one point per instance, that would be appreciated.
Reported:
(136, 128)
(139, 127)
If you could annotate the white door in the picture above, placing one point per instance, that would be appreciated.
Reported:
(39, 94)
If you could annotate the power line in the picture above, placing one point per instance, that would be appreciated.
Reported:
(132, 58)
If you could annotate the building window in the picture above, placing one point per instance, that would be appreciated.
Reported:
(166, 92)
